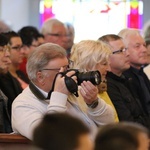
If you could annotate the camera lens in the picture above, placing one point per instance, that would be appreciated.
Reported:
(97, 77)
(92, 76)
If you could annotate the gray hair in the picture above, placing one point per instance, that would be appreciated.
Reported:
(4, 27)
(48, 24)
(127, 33)
(41, 56)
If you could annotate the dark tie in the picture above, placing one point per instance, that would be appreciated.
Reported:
(49, 95)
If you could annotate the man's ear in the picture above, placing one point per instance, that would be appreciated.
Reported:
(40, 77)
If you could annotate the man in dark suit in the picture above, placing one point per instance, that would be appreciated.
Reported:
(140, 86)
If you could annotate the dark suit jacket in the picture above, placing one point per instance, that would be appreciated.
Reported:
(128, 108)
(136, 88)
(11, 87)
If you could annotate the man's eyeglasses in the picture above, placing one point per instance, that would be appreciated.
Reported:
(57, 69)
(5, 48)
(17, 48)
(120, 51)
(58, 35)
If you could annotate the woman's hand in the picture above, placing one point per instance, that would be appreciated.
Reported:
(88, 91)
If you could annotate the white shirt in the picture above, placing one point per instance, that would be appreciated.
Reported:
(147, 71)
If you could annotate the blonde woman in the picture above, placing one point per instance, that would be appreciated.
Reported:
(90, 55)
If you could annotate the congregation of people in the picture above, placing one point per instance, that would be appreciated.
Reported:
(90, 95)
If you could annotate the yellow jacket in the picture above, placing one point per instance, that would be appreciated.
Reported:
(106, 98)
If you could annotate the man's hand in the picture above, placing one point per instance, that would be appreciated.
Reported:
(60, 85)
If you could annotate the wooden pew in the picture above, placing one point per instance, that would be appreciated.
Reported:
(14, 142)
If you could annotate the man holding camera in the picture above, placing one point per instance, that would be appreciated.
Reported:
(44, 67)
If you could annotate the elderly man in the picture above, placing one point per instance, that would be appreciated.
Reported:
(45, 69)
(55, 31)
(140, 86)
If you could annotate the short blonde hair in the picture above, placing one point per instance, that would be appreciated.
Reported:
(88, 53)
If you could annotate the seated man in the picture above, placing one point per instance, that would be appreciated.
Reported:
(140, 84)
(59, 131)
(71, 37)
(55, 31)
(45, 67)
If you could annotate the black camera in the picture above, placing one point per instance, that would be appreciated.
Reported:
(93, 76)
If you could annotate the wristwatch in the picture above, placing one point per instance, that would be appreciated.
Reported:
(93, 104)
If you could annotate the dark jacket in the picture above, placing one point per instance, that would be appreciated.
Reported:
(11, 87)
(128, 108)
(5, 123)
(140, 86)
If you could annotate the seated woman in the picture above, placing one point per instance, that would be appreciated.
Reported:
(14, 81)
(5, 124)
(90, 55)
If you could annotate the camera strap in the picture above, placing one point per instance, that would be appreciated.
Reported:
(36, 91)
(49, 94)
(71, 85)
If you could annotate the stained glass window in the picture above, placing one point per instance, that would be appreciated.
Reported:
(94, 18)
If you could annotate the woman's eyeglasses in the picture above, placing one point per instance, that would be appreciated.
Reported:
(5, 48)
